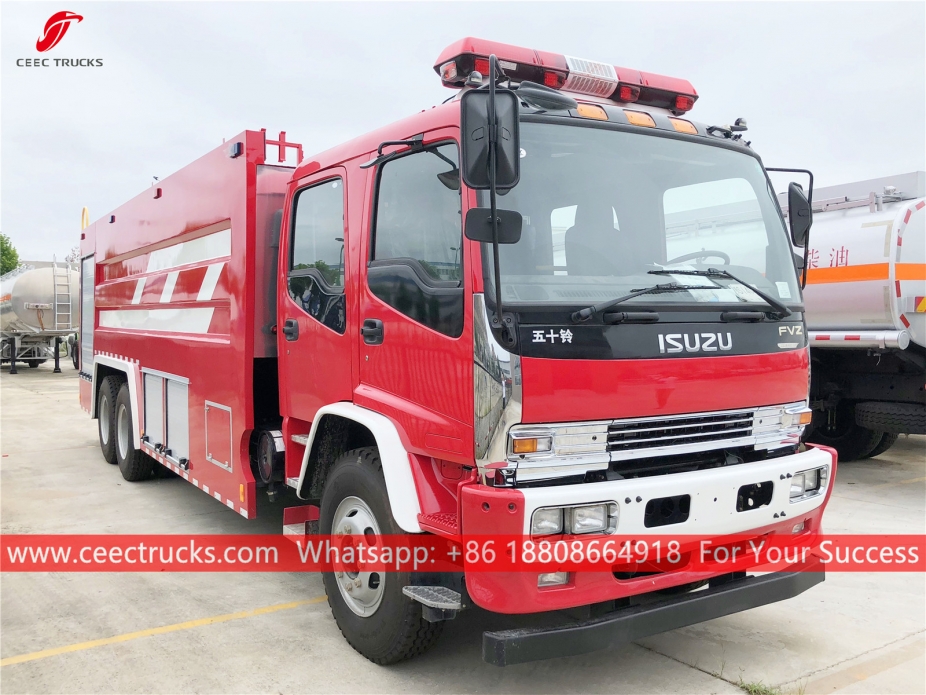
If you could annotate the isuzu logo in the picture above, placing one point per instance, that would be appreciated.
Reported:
(694, 342)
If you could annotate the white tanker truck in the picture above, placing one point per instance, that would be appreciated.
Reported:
(866, 314)
(38, 309)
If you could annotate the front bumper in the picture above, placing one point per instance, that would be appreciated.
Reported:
(635, 622)
(507, 511)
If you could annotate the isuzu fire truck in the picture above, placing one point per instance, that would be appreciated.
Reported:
(620, 350)
(866, 314)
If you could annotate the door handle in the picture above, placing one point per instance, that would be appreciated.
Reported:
(291, 329)
(372, 331)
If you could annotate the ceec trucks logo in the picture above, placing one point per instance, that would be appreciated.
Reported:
(55, 29)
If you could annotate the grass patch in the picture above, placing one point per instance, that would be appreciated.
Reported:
(758, 688)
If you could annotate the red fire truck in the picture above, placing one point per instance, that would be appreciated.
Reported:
(553, 305)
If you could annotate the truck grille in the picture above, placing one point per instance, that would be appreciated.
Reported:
(673, 441)
(648, 433)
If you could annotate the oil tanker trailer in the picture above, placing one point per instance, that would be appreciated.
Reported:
(866, 314)
(38, 310)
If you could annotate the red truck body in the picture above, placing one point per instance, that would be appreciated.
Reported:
(186, 301)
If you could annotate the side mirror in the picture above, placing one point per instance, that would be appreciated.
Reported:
(478, 225)
(474, 139)
(800, 215)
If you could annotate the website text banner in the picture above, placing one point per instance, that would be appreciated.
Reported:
(428, 553)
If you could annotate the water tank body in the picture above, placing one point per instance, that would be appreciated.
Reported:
(27, 301)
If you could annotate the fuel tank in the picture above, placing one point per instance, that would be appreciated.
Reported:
(867, 258)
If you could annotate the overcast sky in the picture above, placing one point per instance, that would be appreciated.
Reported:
(839, 88)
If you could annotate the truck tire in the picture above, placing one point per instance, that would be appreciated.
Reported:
(887, 441)
(105, 417)
(851, 441)
(74, 356)
(376, 618)
(895, 418)
(133, 464)
(34, 364)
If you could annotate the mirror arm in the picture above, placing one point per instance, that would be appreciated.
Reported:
(809, 202)
(498, 321)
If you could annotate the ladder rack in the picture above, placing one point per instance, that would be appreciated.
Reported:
(62, 281)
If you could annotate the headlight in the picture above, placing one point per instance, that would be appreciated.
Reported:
(589, 519)
(545, 522)
(586, 518)
(808, 483)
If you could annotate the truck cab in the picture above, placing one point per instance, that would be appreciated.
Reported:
(667, 411)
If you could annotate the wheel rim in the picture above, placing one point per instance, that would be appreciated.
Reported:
(104, 420)
(122, 431)
(362, 591)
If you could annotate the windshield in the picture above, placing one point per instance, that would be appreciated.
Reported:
(603, 207)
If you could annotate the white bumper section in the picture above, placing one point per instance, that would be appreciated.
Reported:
(713, 496)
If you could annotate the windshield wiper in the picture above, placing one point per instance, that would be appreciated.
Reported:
(712, 273)
(588, 312)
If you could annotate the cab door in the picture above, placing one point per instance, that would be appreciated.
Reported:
(416, 352)
(314, 330)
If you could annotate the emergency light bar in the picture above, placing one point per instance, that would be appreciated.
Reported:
(563, 72)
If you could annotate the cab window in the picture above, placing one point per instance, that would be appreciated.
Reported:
(316, 268)
(416, 259)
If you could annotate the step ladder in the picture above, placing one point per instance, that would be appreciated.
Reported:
(62, 280)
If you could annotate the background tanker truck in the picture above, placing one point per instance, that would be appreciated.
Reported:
(866, 314)
(38, 308)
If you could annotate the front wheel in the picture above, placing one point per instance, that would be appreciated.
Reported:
(371, 611)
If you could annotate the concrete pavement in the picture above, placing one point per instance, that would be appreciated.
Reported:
(856, 633)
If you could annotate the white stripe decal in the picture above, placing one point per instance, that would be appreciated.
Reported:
(194, 320)
(139, 289)
(209, 282)
(215, 245)
(169, 285)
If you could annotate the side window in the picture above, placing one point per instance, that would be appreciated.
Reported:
(316, 262)
(417, 258)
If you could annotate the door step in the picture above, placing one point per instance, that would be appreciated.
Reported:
(437, 602)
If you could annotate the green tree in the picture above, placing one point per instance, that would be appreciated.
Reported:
(9, 258)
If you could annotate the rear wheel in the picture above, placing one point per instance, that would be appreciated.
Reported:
(105, 407)
(837, 428)
(133, 464)
(371, 611)
(887, 441)
(33, 364)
